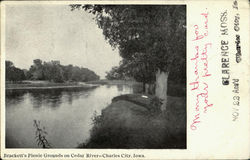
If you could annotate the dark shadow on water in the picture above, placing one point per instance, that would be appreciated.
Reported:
(14, 97)
(51, 98)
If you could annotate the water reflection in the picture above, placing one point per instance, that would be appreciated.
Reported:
(52, 98)
(66, 113)
(14, 97)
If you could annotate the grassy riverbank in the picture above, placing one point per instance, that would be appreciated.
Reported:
(132, 121)
(46, 85)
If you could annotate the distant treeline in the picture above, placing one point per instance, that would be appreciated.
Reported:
(51, 71)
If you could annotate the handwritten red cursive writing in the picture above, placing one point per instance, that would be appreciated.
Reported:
(205, 60)
(201, 72)
(196, 71)
(193, 126)
(205, 95)
(197, 31)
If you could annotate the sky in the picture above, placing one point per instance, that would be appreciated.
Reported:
(53, 32)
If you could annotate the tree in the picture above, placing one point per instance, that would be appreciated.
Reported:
(67, 72)
(152, 35)
(139, 68)
(36, 70)
(53, 71)
(116, 73)
(12, 73)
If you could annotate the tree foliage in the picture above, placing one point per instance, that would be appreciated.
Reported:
(54, 71)
(13, 73)
(149, 37)
(114, 74)
(51, 71)
(36, 70)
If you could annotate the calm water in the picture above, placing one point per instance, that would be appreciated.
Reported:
(66, 115)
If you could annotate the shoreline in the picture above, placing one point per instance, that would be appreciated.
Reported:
(47, 85)
(132, 119)
(51, 87)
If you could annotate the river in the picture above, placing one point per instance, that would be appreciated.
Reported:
(64, 114)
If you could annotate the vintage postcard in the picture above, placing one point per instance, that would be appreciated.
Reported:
(125, 80)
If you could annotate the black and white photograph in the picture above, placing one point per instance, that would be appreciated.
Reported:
(95, 76)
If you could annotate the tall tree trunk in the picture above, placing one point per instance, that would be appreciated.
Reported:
(161, 87)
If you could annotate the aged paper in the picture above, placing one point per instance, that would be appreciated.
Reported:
(70, 74)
